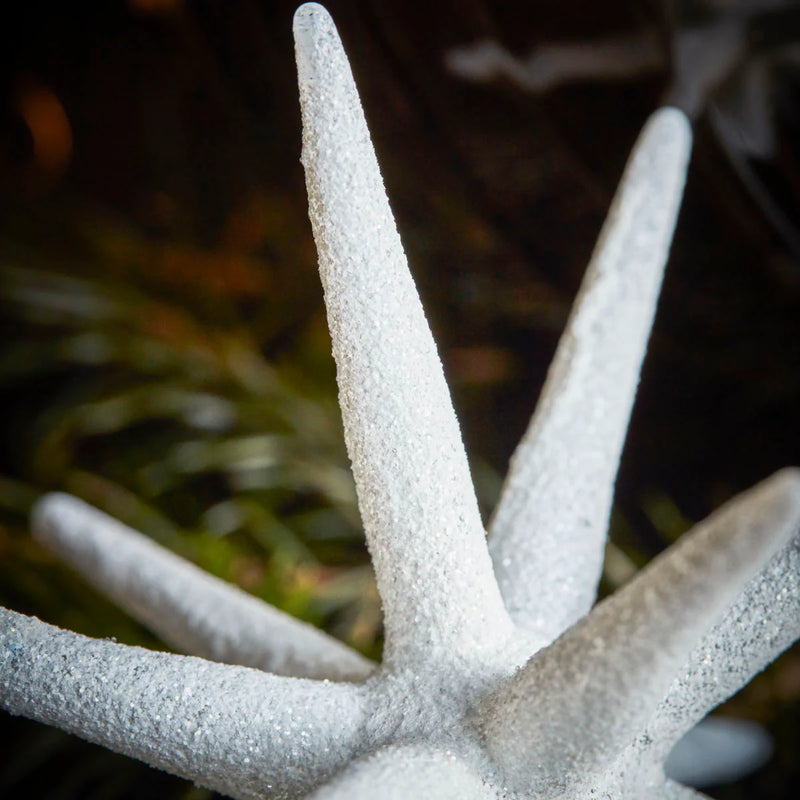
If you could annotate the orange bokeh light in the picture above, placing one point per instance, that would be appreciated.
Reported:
(49, 127)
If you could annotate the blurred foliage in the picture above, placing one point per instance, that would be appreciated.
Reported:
(161, 408)
(177, 425)
(165, 351)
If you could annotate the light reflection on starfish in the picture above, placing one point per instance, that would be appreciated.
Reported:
(499, 679)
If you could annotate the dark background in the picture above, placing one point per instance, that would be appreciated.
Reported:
(154, 243)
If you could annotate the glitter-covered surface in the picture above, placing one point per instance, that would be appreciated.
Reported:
(486, 691)
(208, 617)
(561, 478)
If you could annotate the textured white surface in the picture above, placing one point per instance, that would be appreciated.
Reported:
(402, 773)
(761, 624)
(415, 493)
(247, 733)
(468, 703)
(627, 652)
(547, 536)
(188, 608)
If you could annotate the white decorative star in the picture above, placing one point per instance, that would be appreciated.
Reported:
(499, 678)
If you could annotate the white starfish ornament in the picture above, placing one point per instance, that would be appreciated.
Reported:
(499, 679)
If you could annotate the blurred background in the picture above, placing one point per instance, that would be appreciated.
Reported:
(165, 354)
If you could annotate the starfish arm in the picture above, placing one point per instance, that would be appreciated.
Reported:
(415, 494)
(762, 622)
(398, 773)
(577, 704)
(230, 728)
(188, 608)
(548, 533)
(718, 750)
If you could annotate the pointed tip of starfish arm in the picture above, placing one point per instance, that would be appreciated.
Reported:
(621, 659)
(414, 487)
(188, 608)
(761, 623)
(310, 16)
(229, 728)
(402, 772)
(548, 534)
